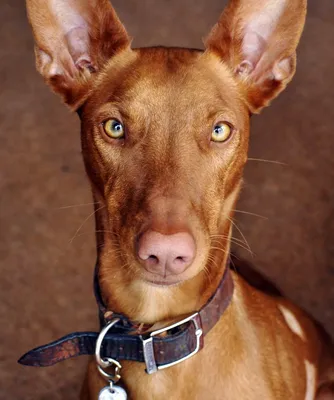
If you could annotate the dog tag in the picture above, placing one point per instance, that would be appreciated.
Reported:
(112, 393)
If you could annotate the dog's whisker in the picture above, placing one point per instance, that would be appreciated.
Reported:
(123, 266)
(207, 273)
(218, 248)
(250, 213)
(93, 232)
(76, 205)
(112, 252)
(240, 244)
(236, 241)
(268, 161)
(216, 238)
(245, 248)
(233, 265)
(89, 216)
(212, 259)
(233, 240)
(235, 256)
(242, 235)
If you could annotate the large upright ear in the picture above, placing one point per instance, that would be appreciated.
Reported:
(257, 39)
(74, 39)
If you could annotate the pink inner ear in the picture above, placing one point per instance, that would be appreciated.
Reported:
(78, 45)
(74, 28)
(253, 46)
(258, 32)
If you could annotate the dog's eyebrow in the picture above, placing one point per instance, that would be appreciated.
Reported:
(117, 108)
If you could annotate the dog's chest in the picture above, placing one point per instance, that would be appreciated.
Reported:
(211, 375)
(198, 380)
(195, 387)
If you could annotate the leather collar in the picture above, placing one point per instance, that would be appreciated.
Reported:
(122, 342)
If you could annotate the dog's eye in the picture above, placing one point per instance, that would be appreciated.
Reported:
(113, 128)
(221, 132)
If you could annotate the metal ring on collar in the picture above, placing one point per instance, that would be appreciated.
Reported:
(109, 377)
(107, 362)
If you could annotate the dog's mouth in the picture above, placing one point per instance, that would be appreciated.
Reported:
(163, 282)
(171, 280)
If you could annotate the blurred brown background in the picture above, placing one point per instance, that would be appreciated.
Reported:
(46, 277)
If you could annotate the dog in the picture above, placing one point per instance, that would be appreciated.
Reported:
(165, 136)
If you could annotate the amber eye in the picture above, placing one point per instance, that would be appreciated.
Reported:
(113, 128)
(221, 132)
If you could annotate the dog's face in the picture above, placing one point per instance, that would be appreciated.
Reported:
(167, 134)
(165, 137)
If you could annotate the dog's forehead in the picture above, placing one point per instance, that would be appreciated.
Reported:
(168, 80)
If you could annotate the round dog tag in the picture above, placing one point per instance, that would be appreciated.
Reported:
(112, 393)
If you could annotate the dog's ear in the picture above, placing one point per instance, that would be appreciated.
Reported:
(257, 39)
(73, 40)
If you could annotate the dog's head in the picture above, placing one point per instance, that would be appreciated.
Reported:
(164, 135)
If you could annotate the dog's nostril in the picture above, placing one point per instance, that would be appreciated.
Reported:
(153, 259)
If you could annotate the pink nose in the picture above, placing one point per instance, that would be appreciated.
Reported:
(166, 254)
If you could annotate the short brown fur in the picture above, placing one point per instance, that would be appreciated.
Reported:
(167, 175)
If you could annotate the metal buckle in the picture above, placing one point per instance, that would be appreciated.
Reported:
(148, 348)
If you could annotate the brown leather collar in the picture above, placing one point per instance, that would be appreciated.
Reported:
(180, 340)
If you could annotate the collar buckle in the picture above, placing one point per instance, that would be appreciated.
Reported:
(148, 348)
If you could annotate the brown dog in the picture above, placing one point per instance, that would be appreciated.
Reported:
(165, 136)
